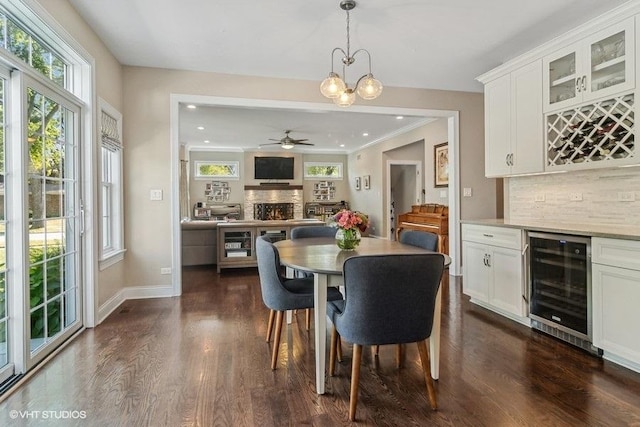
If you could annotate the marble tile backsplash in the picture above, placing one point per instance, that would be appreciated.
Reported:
(252, 197)
(549, 197)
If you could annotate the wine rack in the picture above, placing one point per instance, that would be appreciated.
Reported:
(598, 132)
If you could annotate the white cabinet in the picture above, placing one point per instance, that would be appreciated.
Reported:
(493, 269)
(595, 67)
(513, 123)
(616, 293)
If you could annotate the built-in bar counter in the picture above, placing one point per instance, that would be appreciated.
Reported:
(589, 230)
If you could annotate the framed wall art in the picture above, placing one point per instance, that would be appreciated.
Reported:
(441, 164)
(358, 183)
(366, 182)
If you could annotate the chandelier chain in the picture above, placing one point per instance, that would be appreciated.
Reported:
(348, 38)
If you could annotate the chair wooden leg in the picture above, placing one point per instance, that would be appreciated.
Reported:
(399, 355)
(376, 350)
(333, 351)
(276, 339)
(308, 318)
(355, 380)
(426, 368)
(339, 349)
(272, 316)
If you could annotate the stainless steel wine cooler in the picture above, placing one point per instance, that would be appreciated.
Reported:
(560, 287)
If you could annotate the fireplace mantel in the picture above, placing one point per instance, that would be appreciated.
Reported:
(273, 187)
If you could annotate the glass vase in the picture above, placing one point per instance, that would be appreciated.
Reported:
(348, 240)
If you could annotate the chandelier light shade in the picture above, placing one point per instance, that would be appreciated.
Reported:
(335, 87)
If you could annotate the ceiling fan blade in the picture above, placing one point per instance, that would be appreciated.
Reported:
(298, 140)
(271, 139)
(303, 143)
(271, 143)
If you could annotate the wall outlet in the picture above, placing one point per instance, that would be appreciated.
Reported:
(539, 197)
(443, 194)
(467, 192)
(165, 270)
(575, 197)
(155, 195)
(626, 196)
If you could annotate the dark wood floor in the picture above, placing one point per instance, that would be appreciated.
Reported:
(201, 360)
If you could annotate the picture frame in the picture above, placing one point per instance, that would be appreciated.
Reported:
(366, 182)
(358, 183)
(441, 165)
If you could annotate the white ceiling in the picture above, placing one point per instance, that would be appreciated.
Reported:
(437, 44)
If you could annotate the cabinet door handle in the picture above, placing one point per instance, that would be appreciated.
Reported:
(584, 83)
(578, 84)
(484, 260)
(487, 235)
(511, 159)
(506, 159)
(488, 260)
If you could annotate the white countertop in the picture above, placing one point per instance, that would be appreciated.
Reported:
(589, 230)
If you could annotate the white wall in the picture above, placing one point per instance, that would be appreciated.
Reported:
(197, 186)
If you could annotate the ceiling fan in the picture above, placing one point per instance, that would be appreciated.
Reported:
(287, 142)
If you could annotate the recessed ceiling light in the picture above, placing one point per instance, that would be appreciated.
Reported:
(206, 141)
(365, 134)
(191, 107)
(341, 145)
(200, 128)
(399, 117)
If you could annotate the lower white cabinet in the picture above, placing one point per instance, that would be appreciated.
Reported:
(493, 269)
(615, 273)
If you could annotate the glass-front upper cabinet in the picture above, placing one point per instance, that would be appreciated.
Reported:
(596, 67)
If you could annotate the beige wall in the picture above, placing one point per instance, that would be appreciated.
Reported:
(342, 185)
(372, 161)
(148, 152)
(197, 186)
(108, 85)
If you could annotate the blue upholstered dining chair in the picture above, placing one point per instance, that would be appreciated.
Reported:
(421, 239)
(389, 299)
(280, 294)
(306, 231)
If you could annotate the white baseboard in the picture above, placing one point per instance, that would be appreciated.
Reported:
(135, 292)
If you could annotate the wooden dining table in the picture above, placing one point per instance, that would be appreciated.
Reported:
(322, 257)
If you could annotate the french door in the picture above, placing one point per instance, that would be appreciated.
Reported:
(41, 279)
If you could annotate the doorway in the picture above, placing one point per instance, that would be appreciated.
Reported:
(403, 191)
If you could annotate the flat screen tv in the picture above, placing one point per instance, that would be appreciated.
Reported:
(273, 168)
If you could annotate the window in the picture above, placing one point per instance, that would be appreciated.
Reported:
(218, 170)
(111, 226)
(34, 52)
(322, 170)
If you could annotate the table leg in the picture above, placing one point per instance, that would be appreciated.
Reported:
(320, 319)
(434, 340)
(290, 273)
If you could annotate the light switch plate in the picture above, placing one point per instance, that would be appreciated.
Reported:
(626, 196)
(467, 192)
(539, 197)
(155, 195)
(575, 197)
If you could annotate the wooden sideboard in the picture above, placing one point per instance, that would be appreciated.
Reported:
(428, 217)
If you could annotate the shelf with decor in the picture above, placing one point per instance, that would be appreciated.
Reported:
(593, 135)
(217, 191)
(324, 191)
(598, 66)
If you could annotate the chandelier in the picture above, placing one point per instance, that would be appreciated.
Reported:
(335, 87)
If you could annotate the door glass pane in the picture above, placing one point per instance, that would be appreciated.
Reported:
(52, 233)
(608, 62)
(562, 78)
